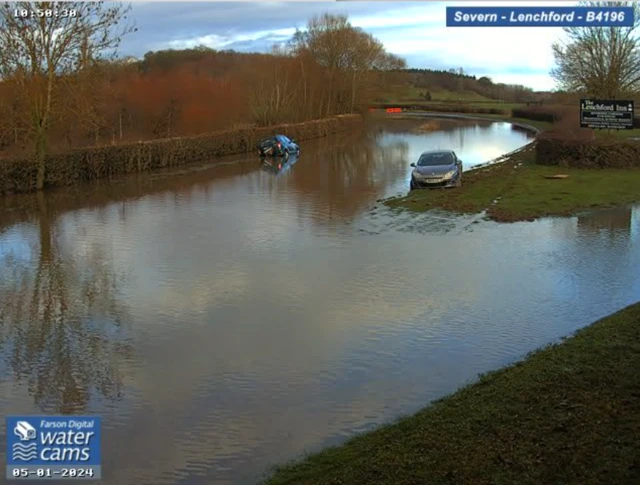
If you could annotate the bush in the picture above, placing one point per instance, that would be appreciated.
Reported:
(84, 164)
(554, 149)
(547, 114)
(567, 126)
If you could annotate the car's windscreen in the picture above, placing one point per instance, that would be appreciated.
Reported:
(435, 159)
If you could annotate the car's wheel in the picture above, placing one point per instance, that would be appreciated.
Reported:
(298, 152)
(459, 182)
(412, 186)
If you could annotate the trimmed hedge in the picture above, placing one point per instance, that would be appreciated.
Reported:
(442, 108)
(552, 114)
(536, 115)
(579, 153)
(84, 164)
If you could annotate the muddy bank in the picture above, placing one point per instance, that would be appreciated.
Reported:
(81, 165)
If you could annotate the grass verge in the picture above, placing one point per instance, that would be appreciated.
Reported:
(618, 134)
(518, 190)
(569, 413)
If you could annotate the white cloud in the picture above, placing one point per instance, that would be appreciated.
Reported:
(418, 31)
(539, 82)
(222, 41)
(508, 54)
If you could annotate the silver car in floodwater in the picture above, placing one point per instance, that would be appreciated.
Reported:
(437, 168)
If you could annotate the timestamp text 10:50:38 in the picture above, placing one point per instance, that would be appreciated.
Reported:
(23, 13)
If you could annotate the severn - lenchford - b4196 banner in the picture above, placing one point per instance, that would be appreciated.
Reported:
(540, 16)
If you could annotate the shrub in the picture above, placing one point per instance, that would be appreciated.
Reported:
(554, 149)
(549, 114)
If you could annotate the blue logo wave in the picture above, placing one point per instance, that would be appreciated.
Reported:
(24, 452)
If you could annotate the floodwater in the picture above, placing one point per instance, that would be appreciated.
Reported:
(223, 319)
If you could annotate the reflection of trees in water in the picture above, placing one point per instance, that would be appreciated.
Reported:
(613, 222)
(60, 319)
(348, 178)
(597, 251)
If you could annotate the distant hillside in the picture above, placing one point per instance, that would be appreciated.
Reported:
(405, 85)
(452, 85)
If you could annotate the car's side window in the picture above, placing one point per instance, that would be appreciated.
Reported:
(286, 140)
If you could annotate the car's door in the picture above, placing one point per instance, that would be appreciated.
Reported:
(458, 161)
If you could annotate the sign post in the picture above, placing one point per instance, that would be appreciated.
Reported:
(608, 114)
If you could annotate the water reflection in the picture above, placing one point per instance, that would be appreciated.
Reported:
(474, 142)
(61, 317)
(612, 222)
(220, 322)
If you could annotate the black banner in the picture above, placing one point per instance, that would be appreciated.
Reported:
(609, 114)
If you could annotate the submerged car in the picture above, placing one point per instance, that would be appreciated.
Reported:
(278, 146)
(437, 168)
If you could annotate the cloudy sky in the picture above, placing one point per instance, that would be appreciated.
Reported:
(415, 30)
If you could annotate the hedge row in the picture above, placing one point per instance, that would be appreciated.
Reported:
(443, 108)
(578, 153)
(80, 165)
(543, 115)
(551, 114)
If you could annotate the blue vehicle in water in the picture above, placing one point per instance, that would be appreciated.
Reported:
(278, 146)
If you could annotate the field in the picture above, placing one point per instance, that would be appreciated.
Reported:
(406, 93)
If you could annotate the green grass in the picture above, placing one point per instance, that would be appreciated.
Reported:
(404, 93)
(619, 134)
(567, 414)
(444, 95)
(525, 194)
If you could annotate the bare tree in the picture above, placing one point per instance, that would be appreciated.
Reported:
(601, 61)
(326, 38)
(273, 90)
(347, 53)
(87, 97)
(41, 43)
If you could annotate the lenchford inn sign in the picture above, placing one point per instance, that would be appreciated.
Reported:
(608, 114)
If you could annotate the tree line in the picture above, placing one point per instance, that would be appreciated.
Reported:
(63, 85)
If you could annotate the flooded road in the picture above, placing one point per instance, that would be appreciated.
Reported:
(223, 319)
